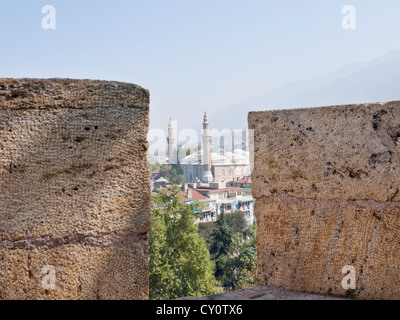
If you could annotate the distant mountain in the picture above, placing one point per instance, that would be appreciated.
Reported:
(378, 80)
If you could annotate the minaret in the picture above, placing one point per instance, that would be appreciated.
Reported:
(172, 148)
(207, 175)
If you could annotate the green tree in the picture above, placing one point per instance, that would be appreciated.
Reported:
(155, 166)
(237, 223)
(178, 179)
(180, 263)
(173, 173)
(205, 231)
(222, 238)
(165, 171)
(239, 263)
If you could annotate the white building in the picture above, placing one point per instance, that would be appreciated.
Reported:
(217, 166)
(218, 197)
(207, 173)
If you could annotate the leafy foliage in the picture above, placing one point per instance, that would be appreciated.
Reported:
(222, 238)
(155, 166)
(180, 263)
(237, 223)
(205, 231)
(173, 173)
(234, 251)
(240, 262)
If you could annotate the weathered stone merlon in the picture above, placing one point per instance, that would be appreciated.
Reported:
(327, 184)
(74, 189)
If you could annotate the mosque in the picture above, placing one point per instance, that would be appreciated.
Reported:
(207, 165)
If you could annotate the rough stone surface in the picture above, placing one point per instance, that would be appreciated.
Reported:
(74, 188)
(263, 293)
(327, 183)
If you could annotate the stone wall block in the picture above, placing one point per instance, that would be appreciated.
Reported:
(326, 183)
(74, 185)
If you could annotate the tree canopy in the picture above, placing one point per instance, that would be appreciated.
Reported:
(222, 238)
(180, 263)
(236, 221)
(233, 248)
(155, 166)
(173, 173)
(240, 262)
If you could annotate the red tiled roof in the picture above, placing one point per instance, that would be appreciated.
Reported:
(220, 190)
(243, 181)
(155, 172)
(196, 195)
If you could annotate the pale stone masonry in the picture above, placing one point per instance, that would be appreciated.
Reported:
(74, 189)
(263, 293)
(326, 183)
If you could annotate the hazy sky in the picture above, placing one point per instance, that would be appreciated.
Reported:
(193, 55)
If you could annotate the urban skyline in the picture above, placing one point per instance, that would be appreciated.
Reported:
(194, 55)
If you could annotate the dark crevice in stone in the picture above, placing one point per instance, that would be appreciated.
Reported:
(101, 241)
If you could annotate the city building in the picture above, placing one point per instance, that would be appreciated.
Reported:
(220, 179)
(161, 183)
(154, 175)
(217, 166)
(172, 144)
(218, 197)
(244, 183)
